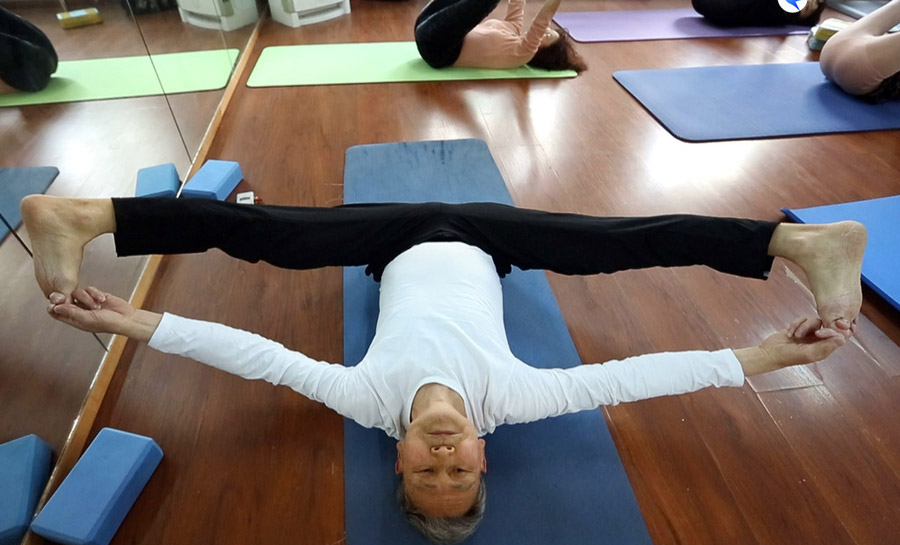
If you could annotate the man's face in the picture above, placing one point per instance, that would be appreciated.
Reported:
(441, 460)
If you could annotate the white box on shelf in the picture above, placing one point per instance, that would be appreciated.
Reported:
(294, 13)
(216, 14)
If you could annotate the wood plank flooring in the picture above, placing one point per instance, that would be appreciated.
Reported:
(805, 457)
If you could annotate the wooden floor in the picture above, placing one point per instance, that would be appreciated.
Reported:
(810, 455)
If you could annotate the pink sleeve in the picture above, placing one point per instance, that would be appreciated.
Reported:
(532, 40)
(515, 12)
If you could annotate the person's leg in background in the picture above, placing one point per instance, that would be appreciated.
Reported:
(736, 13)
(884, 49)
(862, 59)
(442, 26)
(27, 58)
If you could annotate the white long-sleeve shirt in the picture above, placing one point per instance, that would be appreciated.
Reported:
(441, 321)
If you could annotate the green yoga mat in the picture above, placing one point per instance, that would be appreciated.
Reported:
(123, 77)
(386, 62)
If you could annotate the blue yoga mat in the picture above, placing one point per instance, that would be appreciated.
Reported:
(882, 219)
(553, 481)
(16, 183)
(754, 101)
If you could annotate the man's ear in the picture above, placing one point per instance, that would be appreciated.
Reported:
(483, 457)
(398, 465)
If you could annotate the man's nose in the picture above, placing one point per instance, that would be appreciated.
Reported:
(443, 449)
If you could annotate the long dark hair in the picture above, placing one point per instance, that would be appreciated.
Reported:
(560, 55)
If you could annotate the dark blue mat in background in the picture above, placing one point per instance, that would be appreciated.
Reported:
(755, 101)
(15, 184)
(555, 481)
(881, 217)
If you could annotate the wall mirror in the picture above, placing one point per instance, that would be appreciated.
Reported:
(97, 145)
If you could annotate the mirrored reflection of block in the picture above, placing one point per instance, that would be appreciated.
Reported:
(24, 471)
(159, 181)
(218, 14)
(93, 499)
(294, 13)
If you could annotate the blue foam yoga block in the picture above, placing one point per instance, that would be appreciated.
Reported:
(94, 498)
(24, 471)
(158, 181)
(215, 180)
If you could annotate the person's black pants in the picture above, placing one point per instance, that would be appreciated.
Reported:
(442, 26)
(374, 234)
(27, 58)
(736, 13)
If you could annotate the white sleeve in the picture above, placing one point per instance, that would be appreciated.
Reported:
(254, 357)
(542, 393)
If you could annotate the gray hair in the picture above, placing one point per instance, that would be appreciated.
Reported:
(444, 531)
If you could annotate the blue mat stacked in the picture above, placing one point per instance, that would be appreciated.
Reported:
(555, 481)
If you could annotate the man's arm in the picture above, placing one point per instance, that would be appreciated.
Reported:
(232, 350)
(544, 393)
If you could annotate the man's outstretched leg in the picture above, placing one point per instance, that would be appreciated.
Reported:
(308, 237)
(830, 254)
(287, 237)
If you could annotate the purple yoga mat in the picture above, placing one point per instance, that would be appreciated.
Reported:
(665, 24)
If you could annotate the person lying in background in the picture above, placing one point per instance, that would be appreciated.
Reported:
(455, 33)
(734, 13)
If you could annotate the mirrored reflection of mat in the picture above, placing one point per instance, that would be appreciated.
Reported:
(858, 8)
(656, 24)
(882, 219)
(385, 62)
(554, 481)
(755, 101)
(124, 77)
(15, 184)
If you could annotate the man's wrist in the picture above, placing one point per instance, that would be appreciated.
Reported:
(754, 360)
(141, 325)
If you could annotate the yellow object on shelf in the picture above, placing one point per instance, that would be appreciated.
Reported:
(79, 17)
(829, 27)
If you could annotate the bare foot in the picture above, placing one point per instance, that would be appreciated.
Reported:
(59, 228)
(831, 256)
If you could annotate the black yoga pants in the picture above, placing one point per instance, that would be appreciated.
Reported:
(734, 13)
(442, 26)
(374, 234)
